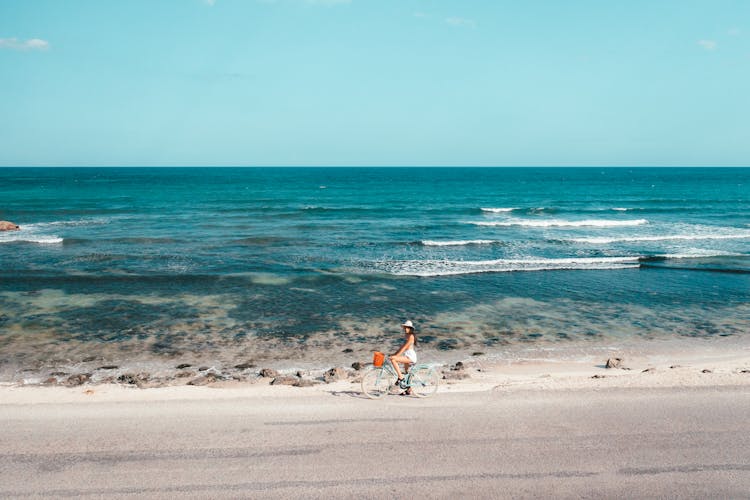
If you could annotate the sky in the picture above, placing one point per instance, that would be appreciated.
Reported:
(375, 82)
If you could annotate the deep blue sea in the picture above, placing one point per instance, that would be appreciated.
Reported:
(302, 263)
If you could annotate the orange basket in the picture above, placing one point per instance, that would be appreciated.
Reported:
(378, 358)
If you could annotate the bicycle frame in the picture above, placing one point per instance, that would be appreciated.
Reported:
(388, 366)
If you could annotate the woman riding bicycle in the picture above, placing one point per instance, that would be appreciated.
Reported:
(406, 354)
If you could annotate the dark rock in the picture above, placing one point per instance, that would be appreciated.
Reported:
(269, 373)
(707, 371)
(675, 366)
(208, 378)
(79, 379)
(649, 370)
(300, 373)
(89, 359)
(335, 374)
(357, 365)
(244, 366)
(744, 371)
(614, 363)
(455, 375)
(108, 367)
(8, 226)
(478, 353)
(304, 382)
(284, 380)
(184, 365)
(348, 350)
(58, 374)
(133, 378)
(598, 376)
(446, 344)
(202, 368)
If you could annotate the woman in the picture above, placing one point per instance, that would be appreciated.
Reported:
(406, 355)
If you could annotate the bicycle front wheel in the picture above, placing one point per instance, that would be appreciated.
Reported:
(377, 382)
(424, 382)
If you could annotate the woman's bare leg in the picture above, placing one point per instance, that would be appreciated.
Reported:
(395, 360)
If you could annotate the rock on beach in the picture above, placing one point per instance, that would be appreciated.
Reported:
(206, 379)
(268, 373)
(137, 379)
(79, 379)
(335, 374)
(614, 363)
(8, 226)
(285, 380)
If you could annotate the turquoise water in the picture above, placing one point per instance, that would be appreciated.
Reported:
(301, 263)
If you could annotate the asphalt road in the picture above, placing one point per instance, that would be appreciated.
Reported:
(624, 443)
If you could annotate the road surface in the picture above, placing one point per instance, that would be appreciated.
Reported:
(626, 443)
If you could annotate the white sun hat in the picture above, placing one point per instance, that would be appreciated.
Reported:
(408, 323)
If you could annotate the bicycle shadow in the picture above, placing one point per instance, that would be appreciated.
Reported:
(350, 394)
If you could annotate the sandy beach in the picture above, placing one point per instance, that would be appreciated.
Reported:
(664, 425)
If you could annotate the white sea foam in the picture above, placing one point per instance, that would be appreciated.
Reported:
(30, 233)
(432, 243)
(564, 223)
(454, 267)
(30, 238)
(674, 237)
(699, 253)
(94, 221)
(39, 232)
(498, 210)
(620, 209)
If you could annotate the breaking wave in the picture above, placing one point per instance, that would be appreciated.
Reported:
(29, 238)
(454, 267)
(564, 223)
(498, 210)
(453, 243)
(674, 237)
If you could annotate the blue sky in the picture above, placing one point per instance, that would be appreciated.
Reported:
(374, 82)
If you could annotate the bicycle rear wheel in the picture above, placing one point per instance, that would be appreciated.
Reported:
(377, 382)
(424, 382)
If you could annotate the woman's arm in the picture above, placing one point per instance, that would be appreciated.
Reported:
(409, 342)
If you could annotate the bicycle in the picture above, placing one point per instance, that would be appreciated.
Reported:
(380, 379)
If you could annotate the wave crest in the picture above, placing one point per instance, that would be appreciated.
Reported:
(40, 240)
(674, 237)
(454, 267)
(564, 223)
(451, 243)
(498, 210)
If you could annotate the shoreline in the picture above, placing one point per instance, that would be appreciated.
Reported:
(677, 363)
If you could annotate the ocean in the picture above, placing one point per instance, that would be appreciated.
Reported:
(308, 266)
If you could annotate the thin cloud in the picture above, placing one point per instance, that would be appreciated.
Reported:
(708, 44)
(460, 21)
(30, 44)
(734, 32)
(420, 14)
(210, 3)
